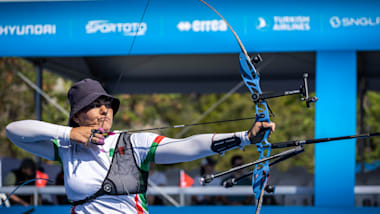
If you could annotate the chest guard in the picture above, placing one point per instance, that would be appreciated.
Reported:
(124, 176)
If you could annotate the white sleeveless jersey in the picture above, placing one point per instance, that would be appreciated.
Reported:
(85, 169)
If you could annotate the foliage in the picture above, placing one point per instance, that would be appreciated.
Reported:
(372, 112)
(17, 99)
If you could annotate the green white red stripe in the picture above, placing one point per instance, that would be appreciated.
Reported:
(150, 156)
(140, 199)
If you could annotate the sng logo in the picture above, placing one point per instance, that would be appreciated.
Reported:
(202, 26)
(337, 22)
(128, 29)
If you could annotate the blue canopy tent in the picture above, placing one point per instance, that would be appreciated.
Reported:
(181, 46)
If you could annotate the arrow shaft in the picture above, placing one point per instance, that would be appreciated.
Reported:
(186, 125)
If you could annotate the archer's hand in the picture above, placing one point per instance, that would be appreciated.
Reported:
(83, 134)
(257, 131)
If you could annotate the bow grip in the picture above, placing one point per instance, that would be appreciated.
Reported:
(262, 135)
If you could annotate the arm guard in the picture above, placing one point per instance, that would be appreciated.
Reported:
(222, 145)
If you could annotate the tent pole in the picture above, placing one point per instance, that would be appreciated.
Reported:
(38, 99)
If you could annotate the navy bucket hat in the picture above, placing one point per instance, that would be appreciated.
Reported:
(83, 93)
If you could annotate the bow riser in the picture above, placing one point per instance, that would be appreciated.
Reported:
(252, 81)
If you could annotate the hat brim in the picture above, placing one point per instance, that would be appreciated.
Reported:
(115, 103)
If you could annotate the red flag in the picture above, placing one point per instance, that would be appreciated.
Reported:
(41, 182)
(185, 180)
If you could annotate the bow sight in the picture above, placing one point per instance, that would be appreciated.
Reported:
(303, 91)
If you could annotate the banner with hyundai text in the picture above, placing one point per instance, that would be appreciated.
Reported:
(90, 28)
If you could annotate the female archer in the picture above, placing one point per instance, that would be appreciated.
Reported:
(107, 171)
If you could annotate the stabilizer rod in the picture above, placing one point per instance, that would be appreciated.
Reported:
(320, 140)
(209, 178)
(233, 181)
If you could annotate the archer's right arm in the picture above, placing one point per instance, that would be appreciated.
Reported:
(37, 137)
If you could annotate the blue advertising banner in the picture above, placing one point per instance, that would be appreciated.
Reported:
(87, 28)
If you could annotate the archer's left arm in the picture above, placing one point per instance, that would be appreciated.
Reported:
(198, 146)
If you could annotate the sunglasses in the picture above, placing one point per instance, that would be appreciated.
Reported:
(98, 103)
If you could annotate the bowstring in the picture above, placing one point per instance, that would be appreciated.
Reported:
(129, 53)
(130, 49)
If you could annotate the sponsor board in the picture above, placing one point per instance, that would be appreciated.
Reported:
(344, 22)
(284, 23)
(126, 28)
(202, 26)
(25, 30)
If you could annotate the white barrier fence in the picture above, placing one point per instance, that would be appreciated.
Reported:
(183, 192)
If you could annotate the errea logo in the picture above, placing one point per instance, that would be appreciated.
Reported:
(202, 26)
(184, 26)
